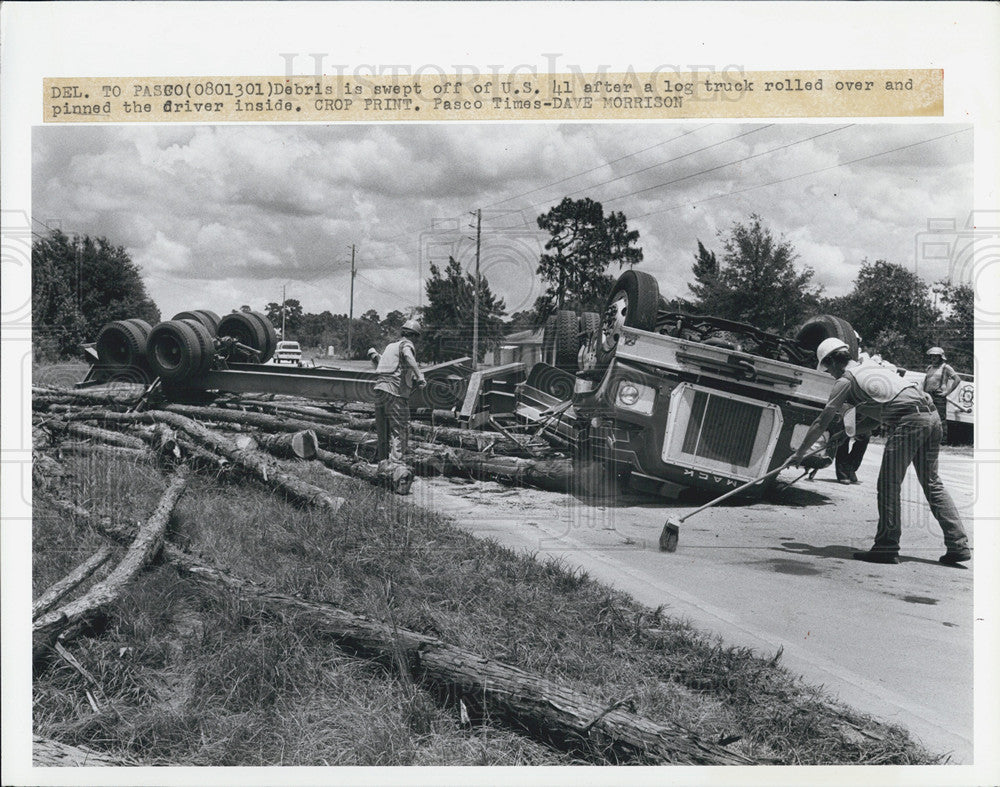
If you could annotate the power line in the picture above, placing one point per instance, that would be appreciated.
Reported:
(802, 174)
(601, 166)
(527, 222)
(662, 163)
(586, 172)
(719, 166)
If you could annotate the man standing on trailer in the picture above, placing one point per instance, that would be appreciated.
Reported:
(397, 373)
(939, 381)
(913, 436)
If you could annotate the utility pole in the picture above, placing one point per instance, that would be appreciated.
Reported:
(350, 317)
(283, 311)
(475, 302)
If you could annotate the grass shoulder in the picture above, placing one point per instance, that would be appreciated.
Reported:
(192, 678)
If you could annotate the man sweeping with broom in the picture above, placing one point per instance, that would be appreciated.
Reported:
(913, 436)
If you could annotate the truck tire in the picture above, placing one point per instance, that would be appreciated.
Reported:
(205, 341)
(123, 343)
(174, 351)
(247, 330)
(143, 326)
(590, 323)
(827, 326)
(212, 317)
(549, 341)
(567, 339)
(270, 335)
(209, 319)
(633, 303)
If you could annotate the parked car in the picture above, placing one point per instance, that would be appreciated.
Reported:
(288, 352)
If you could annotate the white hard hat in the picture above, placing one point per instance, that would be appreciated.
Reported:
(828, 346)
(412, 326)
(936, 351)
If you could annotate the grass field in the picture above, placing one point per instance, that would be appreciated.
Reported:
(195, 678)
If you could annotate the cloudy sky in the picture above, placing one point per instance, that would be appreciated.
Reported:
(219, 216)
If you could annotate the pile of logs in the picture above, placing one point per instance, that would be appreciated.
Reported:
(342, 441)
(246, 439)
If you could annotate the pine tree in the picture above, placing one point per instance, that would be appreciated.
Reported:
(584, 243)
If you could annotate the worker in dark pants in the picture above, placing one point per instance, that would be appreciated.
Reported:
(848, 459)
(939, 381)
(397, 373)
(913, 436)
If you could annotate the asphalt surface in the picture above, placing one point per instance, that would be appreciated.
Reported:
(893, 641)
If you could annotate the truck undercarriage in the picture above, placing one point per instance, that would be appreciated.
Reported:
(671, 400)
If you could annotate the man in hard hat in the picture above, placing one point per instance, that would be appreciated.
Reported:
(913, 436)
(939, 381)
(397, 374)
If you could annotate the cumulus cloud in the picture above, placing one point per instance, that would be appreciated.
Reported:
(218, 216)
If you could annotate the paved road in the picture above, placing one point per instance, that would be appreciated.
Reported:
(892, 641)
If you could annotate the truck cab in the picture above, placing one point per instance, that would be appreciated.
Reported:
(678, 400)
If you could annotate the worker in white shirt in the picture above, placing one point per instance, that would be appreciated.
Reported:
(398, 373)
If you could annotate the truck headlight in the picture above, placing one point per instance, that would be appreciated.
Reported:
(628, 393)
(635, 396)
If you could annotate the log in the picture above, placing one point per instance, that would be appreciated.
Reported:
(96, 434)
(147, 542)
(49, 753)
(43, 399)
(133, 455)
(63, 587)
(550, 710)
(175, 449)
(473, 440)
(397, 477)
(317, 414)
(249, 461)
(293, 445)
(554, 475)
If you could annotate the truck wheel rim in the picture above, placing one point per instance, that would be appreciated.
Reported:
(168, 352)
(614, 321)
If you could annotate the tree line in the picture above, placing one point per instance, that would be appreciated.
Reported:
(747, 274)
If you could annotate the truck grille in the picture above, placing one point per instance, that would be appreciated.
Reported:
(719, 433)
(721, 429)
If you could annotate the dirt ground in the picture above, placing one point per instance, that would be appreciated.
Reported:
(893, 641)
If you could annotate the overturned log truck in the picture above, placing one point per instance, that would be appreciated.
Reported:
(669, 400)
(673, 400)
(197, 355)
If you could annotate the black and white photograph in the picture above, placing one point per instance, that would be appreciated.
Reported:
(354, 452)
(549, 398)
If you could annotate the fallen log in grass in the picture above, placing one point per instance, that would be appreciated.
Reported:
(175, 448)
(291, 416)
(248, 460)
(133, 455)
(43, 398)
(148, 540)
(555, 475)
(396, 477)
(49, 753)
(57, 591)
(86, 432)
(549, 710)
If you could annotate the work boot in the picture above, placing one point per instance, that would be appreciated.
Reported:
(877, 556)
(950, 558)
(853, 477)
